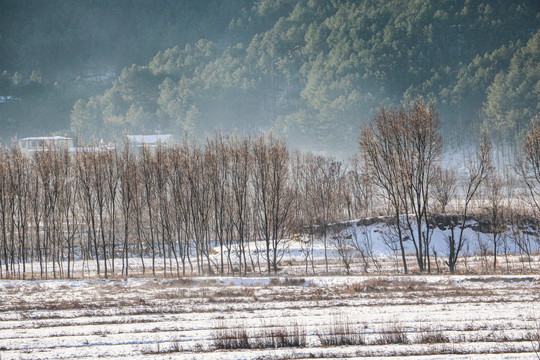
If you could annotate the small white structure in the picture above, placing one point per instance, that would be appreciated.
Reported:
(32, 144)
(150, 141)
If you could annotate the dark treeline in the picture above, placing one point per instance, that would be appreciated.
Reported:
(59, 37)
(245, 197)
(314, 71)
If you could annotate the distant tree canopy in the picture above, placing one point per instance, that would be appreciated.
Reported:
(314, 71)
(513, 96)
(72, 36)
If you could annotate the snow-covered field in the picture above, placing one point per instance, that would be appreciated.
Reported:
(436, 317)
(299, 313)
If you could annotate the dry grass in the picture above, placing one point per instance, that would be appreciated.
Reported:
(234, 292)
(231, 338)
(375, 285)
(432, 336)
(174, 347)
(534, 337)
(167, 301)
(238, 337)
(384, 285)
(288, 281)
(392, 333)
(280, 337)
(342, 332)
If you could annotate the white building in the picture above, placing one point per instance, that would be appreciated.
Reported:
(32, 144)
(150, 141)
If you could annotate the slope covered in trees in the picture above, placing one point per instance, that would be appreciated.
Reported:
(53, 53)
(316, 71)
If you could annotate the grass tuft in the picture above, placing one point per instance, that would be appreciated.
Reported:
(430, 336)
(267, 337)
(341, 332)
(392, 333)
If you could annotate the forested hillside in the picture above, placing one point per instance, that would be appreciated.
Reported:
(314, 71)
(54, 52)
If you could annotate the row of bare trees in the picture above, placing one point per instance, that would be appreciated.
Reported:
(174, 205)
(230, 205)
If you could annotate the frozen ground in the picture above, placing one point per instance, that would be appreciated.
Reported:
(439, 317)
(469, 316)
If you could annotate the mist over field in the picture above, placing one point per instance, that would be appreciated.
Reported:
(313, 72)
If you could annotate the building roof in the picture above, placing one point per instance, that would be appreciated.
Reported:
(148, 139)
(44, 138)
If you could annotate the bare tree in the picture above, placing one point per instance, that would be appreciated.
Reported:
(361, 188)
(160, 167)
(181, 206)
(324, 179)
(112, 185)
(85, 178)
(477, 171)
(127, 171)
(200, 205)
(68, 205)
(524, 234)
(37, 216)
(494, 212)
(345, 249)
(98, 167)
(362, 241)
(241, 167)
(445, 188)
(379, 150)
(4, 209)
(422, 148)
(273, 200)
(6, 201)
(401, 152)
(48, 166)
(148, 187)
(217, 160)
(21, 178)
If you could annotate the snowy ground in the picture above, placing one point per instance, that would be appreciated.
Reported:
(467, 316)
(460, 317)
